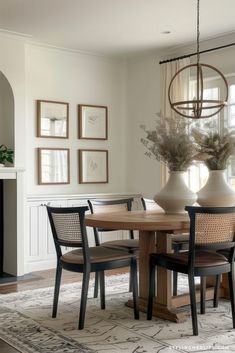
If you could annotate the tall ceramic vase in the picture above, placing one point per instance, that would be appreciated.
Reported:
(217, 191)
(175, 195)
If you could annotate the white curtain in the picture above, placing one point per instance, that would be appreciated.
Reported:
(180, 87)
(180, 90)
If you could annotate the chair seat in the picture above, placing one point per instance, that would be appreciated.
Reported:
(98, 254)
(225, 252)
(131, 245)
(203, 259)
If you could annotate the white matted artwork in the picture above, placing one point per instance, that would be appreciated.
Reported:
(93, 122)
(53, 166)
(93, 166)
(52, 119)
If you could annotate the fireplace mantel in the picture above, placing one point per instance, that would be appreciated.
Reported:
(10, 172)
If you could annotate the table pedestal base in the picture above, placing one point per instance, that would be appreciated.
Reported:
(161, 311)
(173, 313)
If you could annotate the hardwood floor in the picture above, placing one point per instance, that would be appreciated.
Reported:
(5, 348)
(42, 279)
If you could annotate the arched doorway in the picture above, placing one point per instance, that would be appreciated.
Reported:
(6, 113)
(6, 138)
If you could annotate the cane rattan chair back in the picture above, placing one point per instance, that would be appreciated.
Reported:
(68, 228)
(211, 228)
(108, 208)
(149, 205)
(214, 228)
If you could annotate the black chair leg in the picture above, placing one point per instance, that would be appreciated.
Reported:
(134, 281)
(176, 248)
(96, 287)
(130, 281)
(151, 291)
(175, 282)
(216, 292)
(231, 280)
(102, 290)
(203, 295)
(56, 290)
(193, 303)
(85, 285)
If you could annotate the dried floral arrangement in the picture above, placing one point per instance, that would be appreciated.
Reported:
(218, 147)
(170, 143)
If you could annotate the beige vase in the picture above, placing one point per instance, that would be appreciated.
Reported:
(217, 192)
(175, 195)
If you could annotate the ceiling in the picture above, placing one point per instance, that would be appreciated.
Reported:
(115, 27)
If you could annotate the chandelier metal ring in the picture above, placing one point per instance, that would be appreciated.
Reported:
(198, 105)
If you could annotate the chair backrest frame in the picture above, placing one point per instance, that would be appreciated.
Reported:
(143, 203)
(58, 243)
(149, 204)
(92, 203)
(193, 211)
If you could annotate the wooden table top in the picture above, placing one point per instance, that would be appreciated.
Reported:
(138, 220)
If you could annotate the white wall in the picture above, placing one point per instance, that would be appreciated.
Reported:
(143, 174)
(58, 75)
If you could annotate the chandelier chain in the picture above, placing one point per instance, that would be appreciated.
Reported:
(198, 31)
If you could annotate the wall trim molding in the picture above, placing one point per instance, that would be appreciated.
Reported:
(31, 198)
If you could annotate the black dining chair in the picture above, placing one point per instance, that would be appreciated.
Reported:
(211, 229)
(130, 245)
(68, 229)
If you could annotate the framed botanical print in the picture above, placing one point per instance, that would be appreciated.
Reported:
(92, 122)
(93, 166)
(53, 166)
(52, 119)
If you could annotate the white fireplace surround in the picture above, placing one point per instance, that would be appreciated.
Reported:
(14, 219)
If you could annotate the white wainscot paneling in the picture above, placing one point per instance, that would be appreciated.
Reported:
(39, 245)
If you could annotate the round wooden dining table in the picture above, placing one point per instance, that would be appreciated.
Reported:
(155, 229)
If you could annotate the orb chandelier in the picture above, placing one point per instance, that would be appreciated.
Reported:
(199, 106)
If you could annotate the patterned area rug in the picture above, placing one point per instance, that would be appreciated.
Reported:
(26, 324)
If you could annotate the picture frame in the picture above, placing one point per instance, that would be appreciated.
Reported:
(52, 119)
(93, 166)
(92, 122)
(53, 166)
